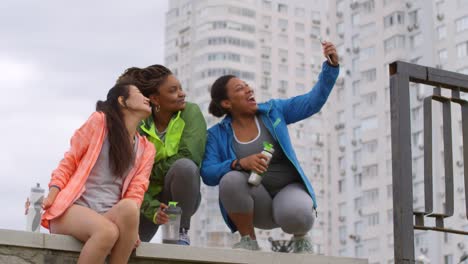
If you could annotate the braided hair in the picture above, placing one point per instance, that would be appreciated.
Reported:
(148, 79)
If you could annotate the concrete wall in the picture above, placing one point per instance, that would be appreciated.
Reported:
(18, 247)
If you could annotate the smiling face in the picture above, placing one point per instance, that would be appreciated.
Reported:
(170, 96)
(137, 102)
(241, 98)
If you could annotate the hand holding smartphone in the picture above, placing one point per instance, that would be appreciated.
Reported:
(322, 41)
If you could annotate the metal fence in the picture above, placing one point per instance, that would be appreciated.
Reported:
(406, 220)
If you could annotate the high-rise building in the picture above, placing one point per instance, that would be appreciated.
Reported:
(272, 45)
(369, 35)
(345, 150)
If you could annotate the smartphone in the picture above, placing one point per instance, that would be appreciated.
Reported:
(322, 41)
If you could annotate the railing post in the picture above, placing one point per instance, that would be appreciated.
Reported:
(401, 166)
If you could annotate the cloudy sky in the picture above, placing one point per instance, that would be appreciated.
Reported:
(57, 58)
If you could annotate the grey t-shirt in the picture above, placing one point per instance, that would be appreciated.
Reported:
(281, 171)
(103, 187)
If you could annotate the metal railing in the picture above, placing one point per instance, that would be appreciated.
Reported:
(406, 220)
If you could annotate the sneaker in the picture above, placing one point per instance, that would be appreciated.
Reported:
(247, 243)
(301, 244)
(184, 238)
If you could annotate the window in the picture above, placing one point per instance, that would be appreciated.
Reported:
(340, 28)
(300, 42)
(356, 108)
(342, 233)
(390, 216)
(355, 88)
(266, 66)
(443, 55)
(282, 8)
(342, 160)
(370, 147)
(413, 17)
(448, 259)
(367, 53)
(315, 17)
(355, 19)
(441, 32)
(356, 133)
(283, 54)
(299, 12)
(357, 203)
(370, 99)
(340, 116)
(369, 75)
(300, 72)
(358, 180)
(283, 24)
(299, 27)
(368, 29)
(283, 39)
(373, 219)
(371, 196)
(266, 4)
(355, 41)
(368, 6)
(370, 172)
(300, 87)
(395, 42)
(396, 18)
(341, 185)
(369, 123)
(462, 49)
(461, 24)
(358, 227)
(416, 40)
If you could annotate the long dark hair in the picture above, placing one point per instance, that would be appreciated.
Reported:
(148, 79)
(121, 154)
(218, 94)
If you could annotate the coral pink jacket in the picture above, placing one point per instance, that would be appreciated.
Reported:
(73, 171)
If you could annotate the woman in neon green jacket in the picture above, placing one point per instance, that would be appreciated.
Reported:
(178, 131)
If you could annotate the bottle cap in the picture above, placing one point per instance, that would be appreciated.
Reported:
(268, 146)
(172, 204)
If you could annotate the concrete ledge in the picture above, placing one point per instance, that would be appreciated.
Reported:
(27, 247)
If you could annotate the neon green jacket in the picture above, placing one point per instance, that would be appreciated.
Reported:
(185, 138)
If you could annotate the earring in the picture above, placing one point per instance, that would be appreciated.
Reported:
(157, 108)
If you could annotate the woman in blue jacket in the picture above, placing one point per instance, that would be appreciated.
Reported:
(285, 198)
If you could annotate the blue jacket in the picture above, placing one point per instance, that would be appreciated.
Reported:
(276, 114)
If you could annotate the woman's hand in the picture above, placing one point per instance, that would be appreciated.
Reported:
(161, 216)
(329, 51)
(255, 162)
(49, 200)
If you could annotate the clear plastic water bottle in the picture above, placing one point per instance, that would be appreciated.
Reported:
(34, 207)
(268, 151)
(170, 233)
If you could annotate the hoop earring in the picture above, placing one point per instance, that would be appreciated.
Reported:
(157, 108)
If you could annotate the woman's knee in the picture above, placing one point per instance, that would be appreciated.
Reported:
(295, 220)
(128, 212)
(233, 183)
(108, 234)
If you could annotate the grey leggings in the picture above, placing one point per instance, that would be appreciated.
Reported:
(291, 209)
(181, 184)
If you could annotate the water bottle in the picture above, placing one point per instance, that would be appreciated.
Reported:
(268, 151)
(171, 228)
(34, 207)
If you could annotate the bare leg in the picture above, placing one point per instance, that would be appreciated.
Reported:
(244, 223)
(125, 215)
(96, 232)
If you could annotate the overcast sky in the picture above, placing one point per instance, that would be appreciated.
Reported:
(57, 58)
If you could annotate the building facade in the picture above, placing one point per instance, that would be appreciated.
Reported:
(370, 34)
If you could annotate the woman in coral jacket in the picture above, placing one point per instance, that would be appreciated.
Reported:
(285, 197)
(96, 191)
